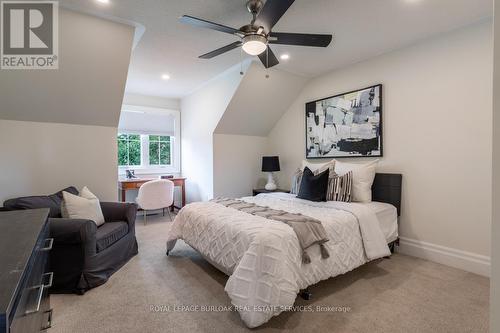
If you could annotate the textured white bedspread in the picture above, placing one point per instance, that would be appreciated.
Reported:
(263, 257)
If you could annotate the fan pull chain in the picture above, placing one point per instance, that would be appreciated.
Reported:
(267, 62)
(241, 61)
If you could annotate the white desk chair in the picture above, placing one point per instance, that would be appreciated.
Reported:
(156, 194)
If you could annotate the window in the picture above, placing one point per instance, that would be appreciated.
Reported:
(144, 151)
(129, 150)
(149, 140)
(159, 150)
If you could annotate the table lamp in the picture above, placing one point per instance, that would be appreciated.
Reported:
(270, 164)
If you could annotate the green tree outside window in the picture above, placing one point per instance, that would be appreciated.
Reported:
(129, 150)
(159, 150)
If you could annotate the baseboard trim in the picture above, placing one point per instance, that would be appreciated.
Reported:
(467, 261)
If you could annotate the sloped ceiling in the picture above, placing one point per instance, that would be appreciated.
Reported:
(362, 29)
(259, 102)
(88, 87)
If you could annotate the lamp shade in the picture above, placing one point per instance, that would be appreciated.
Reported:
(270, 163)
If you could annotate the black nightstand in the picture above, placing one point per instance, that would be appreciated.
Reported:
(263, 190)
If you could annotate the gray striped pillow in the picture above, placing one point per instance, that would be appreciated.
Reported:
(296, 179)
(340, 188)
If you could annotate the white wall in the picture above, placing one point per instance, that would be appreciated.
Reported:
(225, 125)
(437, 133)
(59, 126)
(495, 244)
(201, 112)
(237, 164)
(43, 158)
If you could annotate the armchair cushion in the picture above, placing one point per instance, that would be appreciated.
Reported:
(120, 212)
(52, 201)
(109, 233)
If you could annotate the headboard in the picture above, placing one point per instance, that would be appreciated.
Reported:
(387, 188)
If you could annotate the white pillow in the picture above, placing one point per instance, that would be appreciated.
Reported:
(317, 168)
(362, 176)
(86, 206)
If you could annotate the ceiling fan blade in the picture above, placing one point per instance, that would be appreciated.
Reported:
(198, 22)
(271, 13)
(268, 58)
(221, 50)
(300, 39)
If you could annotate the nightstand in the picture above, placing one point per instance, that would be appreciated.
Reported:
(263, 190)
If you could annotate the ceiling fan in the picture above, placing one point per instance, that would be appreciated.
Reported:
(256, 36)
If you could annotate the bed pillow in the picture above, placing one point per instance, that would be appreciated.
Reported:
(313, 187)
(362, 178)
(316, 168)
(319, 167)
(340, 188)
(296, 179)
(86, 206)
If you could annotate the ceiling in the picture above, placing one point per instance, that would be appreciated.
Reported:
(247, 115)
(90, 77)
(362, 29)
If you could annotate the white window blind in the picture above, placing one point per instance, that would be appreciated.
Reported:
(140, 122)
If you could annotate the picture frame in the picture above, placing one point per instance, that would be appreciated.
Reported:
(346, 125)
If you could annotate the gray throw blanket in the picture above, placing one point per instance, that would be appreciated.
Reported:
(309, 231)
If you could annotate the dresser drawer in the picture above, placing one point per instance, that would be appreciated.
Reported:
(32, 312)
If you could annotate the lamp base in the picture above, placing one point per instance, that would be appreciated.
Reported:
(271, 185)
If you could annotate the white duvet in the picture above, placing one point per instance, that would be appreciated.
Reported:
(263, 257)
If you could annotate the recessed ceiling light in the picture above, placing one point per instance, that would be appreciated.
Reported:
(285, 57)
(165, 77)
(104, 2)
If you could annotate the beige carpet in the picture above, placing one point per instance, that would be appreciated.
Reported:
(403, 294)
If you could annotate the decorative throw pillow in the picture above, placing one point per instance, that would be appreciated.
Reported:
(362, 178)
(86, 206)
(313, 187)
(296, 179)
(318, 168)
(339, 188)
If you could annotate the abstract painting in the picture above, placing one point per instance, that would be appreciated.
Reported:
(346, 125)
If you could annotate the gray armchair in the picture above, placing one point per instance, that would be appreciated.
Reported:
(84, 256)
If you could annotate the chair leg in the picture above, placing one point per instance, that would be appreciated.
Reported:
(145, 216)
(169, 215)
(163, 211)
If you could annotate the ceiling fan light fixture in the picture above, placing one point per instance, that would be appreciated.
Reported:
(254, 44)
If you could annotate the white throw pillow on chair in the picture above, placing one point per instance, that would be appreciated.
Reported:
(85, 206)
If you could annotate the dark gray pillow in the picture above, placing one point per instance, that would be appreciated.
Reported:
(52, 201)
(313, 187)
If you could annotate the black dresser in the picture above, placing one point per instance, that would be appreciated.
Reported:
(24, 279)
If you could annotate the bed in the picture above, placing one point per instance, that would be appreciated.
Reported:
(262, 257)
